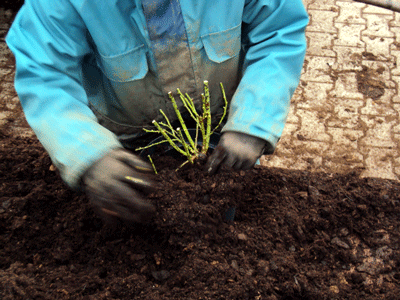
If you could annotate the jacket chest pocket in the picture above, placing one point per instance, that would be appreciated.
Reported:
(128, 66)
(223, 45)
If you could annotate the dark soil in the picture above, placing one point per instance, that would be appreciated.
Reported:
(14, 5)
(368, 85)
(296, 235)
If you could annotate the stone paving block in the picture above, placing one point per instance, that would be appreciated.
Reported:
(320, 44)
(288, 132)
(373, 108)
(316, 96)
(378, 47)
(292, 118)
(395, 70)
(346, 86)
(297, 96)
(379, 163)
(396, 32)
(372, 9)
(345, 136)
(396, 21)
(283, 162)
(311, 162)
(345, 113)
(317, 69)
(378, 132)
(301, 148)
(300, 145)
(378, 25)
(311, 127)
(387, 98)
(329, 5)
(396, 169)
(396, 98)
(300, 155)
(396, 129)
(349, 35)
(381, 71)
(322, 21)
(342, 159)
(350, 12)
(348, 58)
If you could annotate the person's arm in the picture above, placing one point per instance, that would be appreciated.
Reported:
(273, 37)
(49, 41)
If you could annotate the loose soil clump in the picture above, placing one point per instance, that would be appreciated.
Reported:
(296, 235)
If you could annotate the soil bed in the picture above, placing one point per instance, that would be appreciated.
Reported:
(296, 235)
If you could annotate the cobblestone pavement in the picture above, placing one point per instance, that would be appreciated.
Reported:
(345, 113)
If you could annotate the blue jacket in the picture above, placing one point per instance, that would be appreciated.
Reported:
(90, 73)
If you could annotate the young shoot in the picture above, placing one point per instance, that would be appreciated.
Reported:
(180, 138)
(152, 164)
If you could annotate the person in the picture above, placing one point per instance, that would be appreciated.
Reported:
(90, 75)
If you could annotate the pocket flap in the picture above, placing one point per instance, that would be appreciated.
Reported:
(223, 45)
(129, 66)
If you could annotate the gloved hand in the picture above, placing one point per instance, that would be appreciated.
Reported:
(115, 185)
(236, 150)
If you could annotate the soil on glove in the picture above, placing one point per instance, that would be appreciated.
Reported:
(296, 235)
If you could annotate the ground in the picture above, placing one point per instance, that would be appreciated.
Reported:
(295, 235)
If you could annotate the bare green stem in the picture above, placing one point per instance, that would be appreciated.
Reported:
(225, 108)
(155, 144)
(168, 138)
(152, 164)
(180, 138)
(178, 114)
(207, 117)
(186, 147)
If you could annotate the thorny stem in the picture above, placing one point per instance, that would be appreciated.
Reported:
(207, 117)
(178, 114)
(189, 105)
(225, 108)
(168, 138)
(168, 125)
(152, 164)
(155, 144)
(188, 150)
(203, 123)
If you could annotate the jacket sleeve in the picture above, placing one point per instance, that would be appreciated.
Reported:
(274, 44)
(48, 39)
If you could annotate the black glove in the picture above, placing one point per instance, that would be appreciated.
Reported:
(236, 150)
(115, 185)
